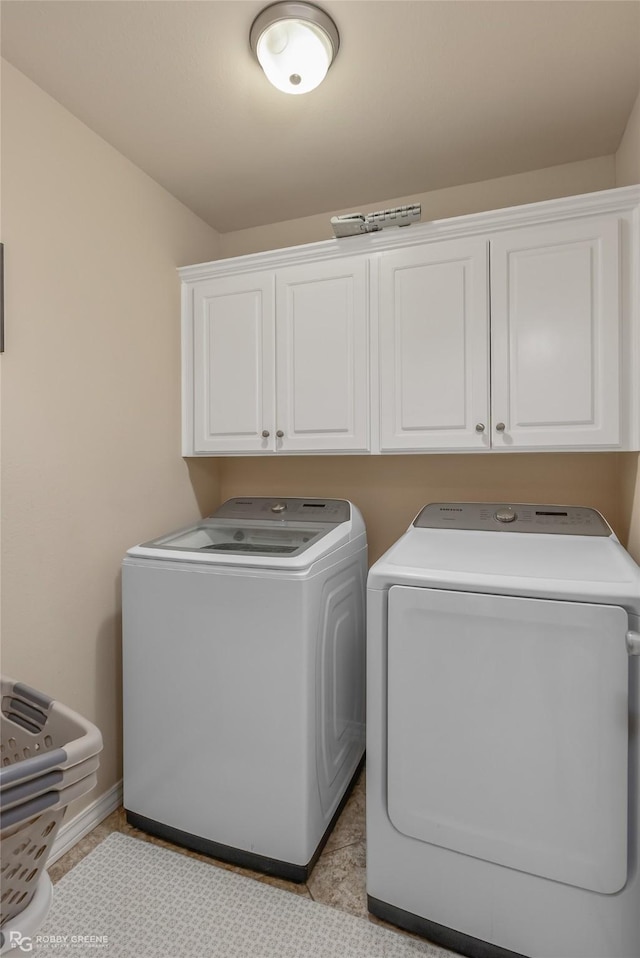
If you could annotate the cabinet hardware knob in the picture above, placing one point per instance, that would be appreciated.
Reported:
(265, 434)
(479, 427)
(280, 434)
(500, 427)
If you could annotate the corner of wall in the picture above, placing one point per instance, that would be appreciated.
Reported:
(628, 173)
(628, 153)
(205, 479)
(630, 502)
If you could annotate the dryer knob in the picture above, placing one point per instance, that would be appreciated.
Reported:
(278, 507)
(506, 514)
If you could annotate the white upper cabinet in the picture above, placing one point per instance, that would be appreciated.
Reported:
(434, 347)
(279, 361)
(513, 330)
(233, 392)
(322, 357)
(556, 362)
(525, 355)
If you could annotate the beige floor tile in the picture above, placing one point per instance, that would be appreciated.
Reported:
(350, 827)
(296, 887)
(339, 879)
(84, 846)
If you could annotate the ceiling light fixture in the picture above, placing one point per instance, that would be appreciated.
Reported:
(295, 44)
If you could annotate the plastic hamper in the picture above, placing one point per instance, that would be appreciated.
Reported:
(49, 756)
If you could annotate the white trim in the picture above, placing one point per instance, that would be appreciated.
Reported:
(76, 828)
(631, 327)
(587, 204)
(186, 345)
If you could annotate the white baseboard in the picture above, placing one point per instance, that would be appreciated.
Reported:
(76, 828)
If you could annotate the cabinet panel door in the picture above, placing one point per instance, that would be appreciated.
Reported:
(234, 364)
(555, 328)
(322, 358)
(434, 347)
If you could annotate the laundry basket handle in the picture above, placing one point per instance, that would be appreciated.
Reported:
(37, 765)
(22, 813)
(39, 699)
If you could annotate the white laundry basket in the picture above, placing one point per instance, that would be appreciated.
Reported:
(49, 756)
(24, 926)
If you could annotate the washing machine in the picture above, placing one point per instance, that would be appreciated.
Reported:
(244, 680)
(503, 644)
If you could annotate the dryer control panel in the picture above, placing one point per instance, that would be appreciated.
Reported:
(302, 510)
(513, 517)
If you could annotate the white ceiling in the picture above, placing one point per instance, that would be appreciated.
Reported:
(423, 94)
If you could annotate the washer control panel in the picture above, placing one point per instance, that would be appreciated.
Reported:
(300, 510)
(513, 517)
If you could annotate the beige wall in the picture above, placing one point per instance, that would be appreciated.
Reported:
(627, 158)
(90, 396)
(390, 490)
(628, 172)
(570, 179)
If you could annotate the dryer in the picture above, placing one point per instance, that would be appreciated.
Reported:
(503, 645)
(244, 679)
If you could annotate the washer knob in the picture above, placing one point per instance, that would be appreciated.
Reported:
(505, 514)
(278, 507)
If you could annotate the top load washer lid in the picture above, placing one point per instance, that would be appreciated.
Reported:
(274, 533)
(554, 556)
(243, 538)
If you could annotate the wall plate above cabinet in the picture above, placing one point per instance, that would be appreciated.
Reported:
(355, 224)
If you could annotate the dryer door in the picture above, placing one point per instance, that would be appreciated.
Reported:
(508, 731)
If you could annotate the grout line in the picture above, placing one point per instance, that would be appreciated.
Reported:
(338, 848)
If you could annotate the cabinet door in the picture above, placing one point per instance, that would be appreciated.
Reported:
(322, 359)
(434, 347)
(555, 328)
(234, 364)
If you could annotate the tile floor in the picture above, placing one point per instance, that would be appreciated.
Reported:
(338, 878)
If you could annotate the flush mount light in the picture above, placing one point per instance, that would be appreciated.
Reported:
(295, 44)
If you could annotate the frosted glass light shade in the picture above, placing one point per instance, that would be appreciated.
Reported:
(295, 44)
